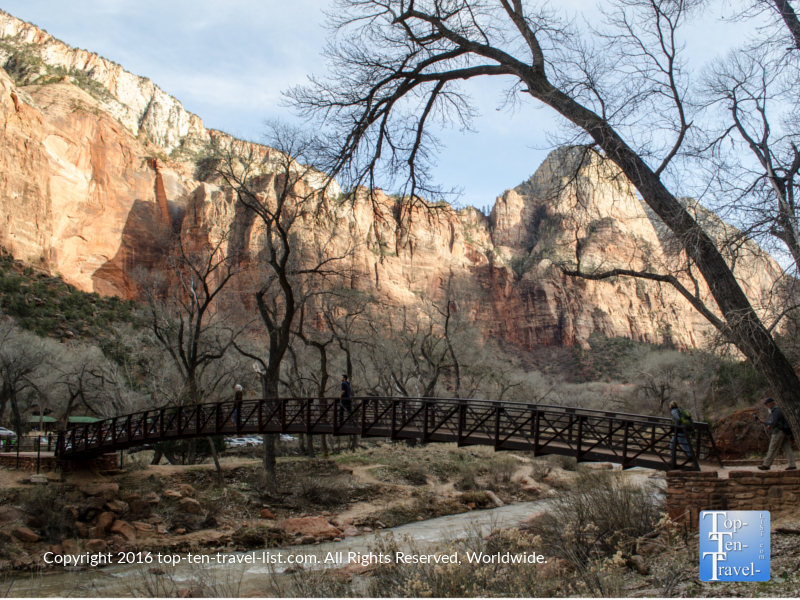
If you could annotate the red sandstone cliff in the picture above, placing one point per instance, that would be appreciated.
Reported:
(94, 178)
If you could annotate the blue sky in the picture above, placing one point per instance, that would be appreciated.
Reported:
(228, 61)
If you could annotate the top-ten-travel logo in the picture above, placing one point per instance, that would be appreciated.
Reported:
(734, 545)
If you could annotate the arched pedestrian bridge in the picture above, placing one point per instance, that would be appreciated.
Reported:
(588, 435)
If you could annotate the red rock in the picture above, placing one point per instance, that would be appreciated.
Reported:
(9, 514)
(124, 529)
(152, 498)
(161, 529)
(147, 527)
(172, 495)
(105, 520)
(310, 526)
(266, 514)
(24, 534)
(56, 549)
(180, 531)
(185, 489)
(350, 531)
(116, 506)
(117, 541)
(105, 490)
(191, 506)
(95, 545)
(70, 547)
(356, 568)
(533, 520)
(96, 532)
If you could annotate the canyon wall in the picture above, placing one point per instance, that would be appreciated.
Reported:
(98, 168)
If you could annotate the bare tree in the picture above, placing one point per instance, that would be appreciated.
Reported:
(183, 313)
(286, 193)
(23, 356)
(397, 65)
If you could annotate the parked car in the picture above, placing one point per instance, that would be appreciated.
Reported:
(7, 432)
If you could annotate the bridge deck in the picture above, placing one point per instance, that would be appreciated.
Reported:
(628, 439)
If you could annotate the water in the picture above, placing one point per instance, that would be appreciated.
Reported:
(123, 580)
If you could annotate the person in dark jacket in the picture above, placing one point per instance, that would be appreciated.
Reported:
(683, 419)
(781, 436)
(346, 402)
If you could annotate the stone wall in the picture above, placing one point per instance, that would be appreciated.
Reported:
(50, 463)
(689, 493)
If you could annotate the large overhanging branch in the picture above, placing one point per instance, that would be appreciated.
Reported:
(696, 302)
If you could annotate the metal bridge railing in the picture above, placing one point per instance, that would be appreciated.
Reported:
(588, 435)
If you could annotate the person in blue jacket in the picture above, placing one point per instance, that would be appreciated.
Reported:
(781, 436)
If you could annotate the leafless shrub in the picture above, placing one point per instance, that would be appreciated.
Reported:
(328, 491)
(47, 505)
(539, 470)
(502, 469)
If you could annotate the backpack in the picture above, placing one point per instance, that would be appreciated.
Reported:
(783, 425)
(686, 418)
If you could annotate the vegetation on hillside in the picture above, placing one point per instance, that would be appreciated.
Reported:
(48, 306)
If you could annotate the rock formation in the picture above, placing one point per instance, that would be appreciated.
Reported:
(99, 167)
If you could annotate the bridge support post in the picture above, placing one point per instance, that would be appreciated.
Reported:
(497, 411)
(462, 421)
(625, 446)
(425, 406)
(580, 438)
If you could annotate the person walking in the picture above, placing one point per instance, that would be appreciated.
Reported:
(346, 400)
(238, 396)
(781, 436)
(682, 419)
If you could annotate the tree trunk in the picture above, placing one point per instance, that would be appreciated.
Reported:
(270, 461)
(157, 456)
(302, 437)
(191, 452)
(15, 413)
(220, 474)
(741, 325)
(325, 453)
(311, 446)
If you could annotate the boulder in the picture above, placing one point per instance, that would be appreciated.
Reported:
(24, 534)
(105, 490)
(95, 532)
(357, 568)
(9, 514)
(266, 514)
(70, 547)
(191, 506)
(117, 541)
(185, 489)
(172, 495)
(90, 507)
(534, 520)
(317, 527)
(124, 529)
(139, 506)
(143, 526)
(493, 497)
(638, 563)
(152, 498)
(350, 531)
(95, 545)
(116, 506)
(56, 549)
(105, 520)
(83, 530)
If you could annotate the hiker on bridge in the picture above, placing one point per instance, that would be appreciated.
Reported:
(781, 436)
(346, 402)
(683, 419)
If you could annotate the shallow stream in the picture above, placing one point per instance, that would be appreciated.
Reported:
(125, 580)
